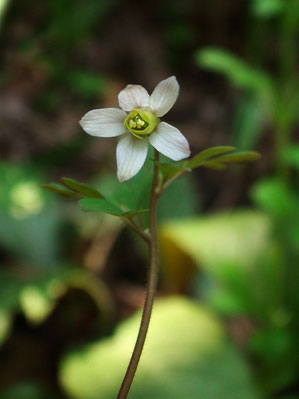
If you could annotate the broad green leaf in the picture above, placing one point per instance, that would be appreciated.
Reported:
(204, 155)
(238, 157)
(81, 188)
(236, 252)
(30, 218)
(130, 195)
(134, 193)
(237, 71)
(186, 352)
(187, 205)
(59, 189)
(100, 205)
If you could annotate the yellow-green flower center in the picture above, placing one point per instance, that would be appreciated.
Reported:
(141, 122)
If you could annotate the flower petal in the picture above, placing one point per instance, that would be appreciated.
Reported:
(130, 156)
(133, 96)
(105, 122)
(164, 96)
(170, 142)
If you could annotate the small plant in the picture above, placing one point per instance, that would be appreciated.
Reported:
(139, 125)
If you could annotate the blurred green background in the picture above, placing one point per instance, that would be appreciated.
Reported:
(224, 324)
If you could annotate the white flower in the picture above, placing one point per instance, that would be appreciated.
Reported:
(139, 123)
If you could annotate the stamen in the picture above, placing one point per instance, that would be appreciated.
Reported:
(141, 122)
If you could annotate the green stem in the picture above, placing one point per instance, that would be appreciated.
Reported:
(151, 289)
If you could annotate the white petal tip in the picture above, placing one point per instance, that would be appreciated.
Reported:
(164, 96)
(122, 179)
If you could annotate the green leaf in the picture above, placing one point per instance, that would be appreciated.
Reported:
(235, 252)
(219, 163)
(59, 189)
(186, 352)
(188, 204)
(239, 157)
(237, 71)
(291, 156)
(131, 214)
(267, 8)
(100, 205)
(249, 119)
(81, 188)
(30, 218)
(275, 197)
(199, 159)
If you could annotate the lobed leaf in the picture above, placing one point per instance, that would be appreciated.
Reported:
(199, 159)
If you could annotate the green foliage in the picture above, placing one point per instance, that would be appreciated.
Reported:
(275, 197)
(37, 297)
(237, 71)
(291, 156)
(219, 157)
(84, 83)
(59, 189)
(29, 218)
(188, 205)
(102, 205)
(170, 170)
(235, 250)
(186, 351)
(203, 156)
(248, 263)
(267, 8)
(248, 122)
(132, 197)
(72, 21)
(81, 188)
(26, 390)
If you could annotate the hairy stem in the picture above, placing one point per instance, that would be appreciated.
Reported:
(151, 289)
(144, 235)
